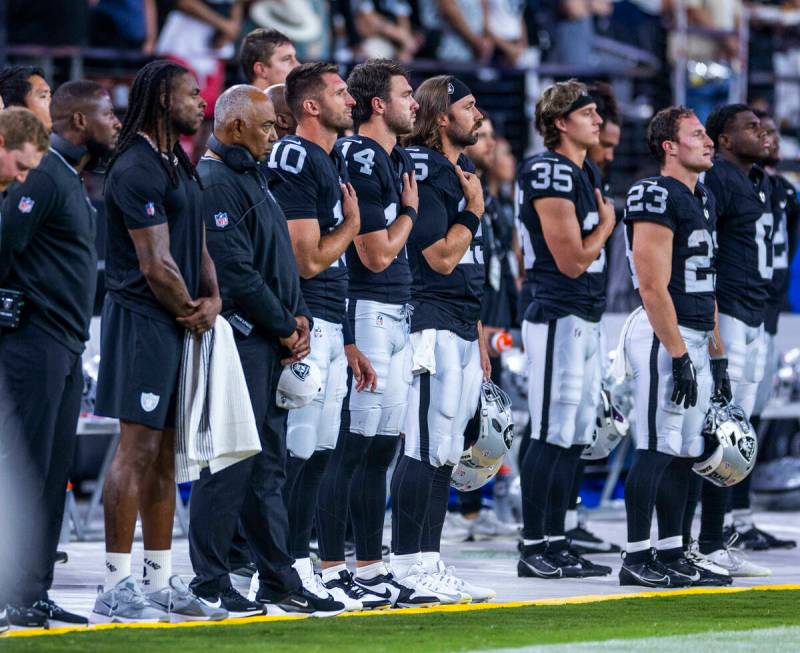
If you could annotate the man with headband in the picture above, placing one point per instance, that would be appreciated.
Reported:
(449, 356)
(565, 223)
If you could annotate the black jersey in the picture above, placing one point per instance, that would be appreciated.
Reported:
(500, 292)
(784, 203)
(311, 189)
(550, 174)
(453, 301)
(745, 232)
(692, 219)
(139, 194)
(377, 178)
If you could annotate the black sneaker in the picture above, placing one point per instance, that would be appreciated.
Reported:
(750, 539)
(238, 606)
(772, 541)
(589, 567)
(684, 568)
(245, 570)
(344, 587)
(584, 541)
(706, 578)
(3, 621)
(299, 602)
(25, 616)
(57, 616)
(650, 573)
(570, 565)
(538, 565)
(61, 557)
(399, 593)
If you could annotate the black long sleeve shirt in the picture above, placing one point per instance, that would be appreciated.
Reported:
(47, 248)
(248, 238)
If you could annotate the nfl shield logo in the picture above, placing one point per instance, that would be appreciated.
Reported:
(221, 219)
(150, 209)
(148, 401)
(379, 320)
(25, 205)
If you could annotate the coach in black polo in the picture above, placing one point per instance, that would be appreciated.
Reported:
(248, 238)
(48, 254)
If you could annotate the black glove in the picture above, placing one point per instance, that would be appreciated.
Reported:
(722, 382)
(684, 381)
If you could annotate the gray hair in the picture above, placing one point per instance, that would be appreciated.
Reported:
(232, 104)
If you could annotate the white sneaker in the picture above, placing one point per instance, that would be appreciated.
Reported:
(441, 584)
(402, 593)
(341, 589)
(420, 581)
(694, 556)
(488, 525)
(735, 563)
(477, 593)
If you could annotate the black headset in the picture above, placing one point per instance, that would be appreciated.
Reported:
(236, 157)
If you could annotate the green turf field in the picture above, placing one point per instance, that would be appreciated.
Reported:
(479, 630)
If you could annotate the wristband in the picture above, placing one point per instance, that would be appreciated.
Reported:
(410, 211)
(469, 220)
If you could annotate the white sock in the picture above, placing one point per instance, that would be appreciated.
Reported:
(668, 543)
(744, 517)
(430, 561)
(572, 520)
(156, 570)
(118, 567)
(368, 572)
(400, 564)
(304, 568)
(635, 547)
(532, 542)
(331, 573)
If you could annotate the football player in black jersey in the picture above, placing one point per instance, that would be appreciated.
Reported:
(565, 223)
(379, 290)
(449, 355)
(745, 225)
(322, 210)
(670, 226)
(618, 282)
(785, 212)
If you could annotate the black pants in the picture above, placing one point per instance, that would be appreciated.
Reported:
(40, 400)
(252, 489)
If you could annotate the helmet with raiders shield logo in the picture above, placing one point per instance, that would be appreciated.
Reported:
(480, 462)
(611, 427)
(731, 445)
(299, 383)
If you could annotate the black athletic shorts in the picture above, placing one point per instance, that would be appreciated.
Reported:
(140, 360)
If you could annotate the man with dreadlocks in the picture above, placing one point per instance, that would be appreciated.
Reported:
(160, 281)
(449, 357)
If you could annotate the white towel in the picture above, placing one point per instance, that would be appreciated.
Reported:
(216, 426)
(423, 347)
(621, 367)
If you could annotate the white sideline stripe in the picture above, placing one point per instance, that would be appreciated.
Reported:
(785, 638)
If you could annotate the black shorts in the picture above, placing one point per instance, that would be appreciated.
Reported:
(140, 360)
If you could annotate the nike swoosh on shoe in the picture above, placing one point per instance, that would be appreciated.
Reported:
(210, 604)
(300, 604)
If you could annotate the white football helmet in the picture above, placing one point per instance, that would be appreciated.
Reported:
(480, 462)
(612, 426)
(731, 445)
(300, 382)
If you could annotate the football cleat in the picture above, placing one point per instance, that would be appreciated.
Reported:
(58, 616)
(584, 541)
(754, 539)
(591, 568)
(125, 603)
(573, 566)
(301, 602)
(699, 560)
(538, 565)
(651, 573)
(477, 593)
(401, 593)
(437, 585)
(699, 576)
(736, 564)
(183, 604)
